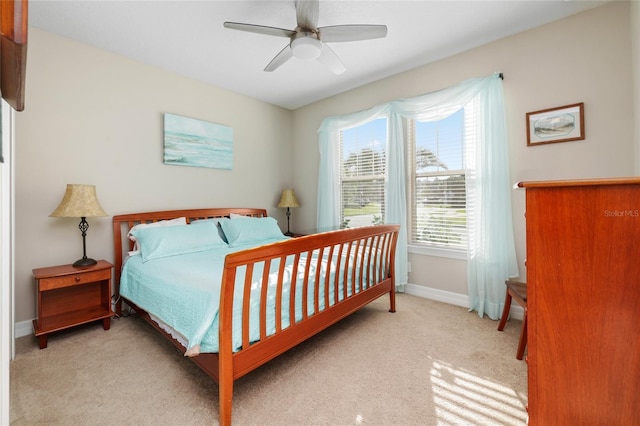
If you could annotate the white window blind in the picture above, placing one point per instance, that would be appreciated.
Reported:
(362, 174)
(437, 185)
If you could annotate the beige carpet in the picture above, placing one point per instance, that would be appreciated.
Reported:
(427, 364)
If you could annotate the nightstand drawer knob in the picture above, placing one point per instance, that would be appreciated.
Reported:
(77, 279)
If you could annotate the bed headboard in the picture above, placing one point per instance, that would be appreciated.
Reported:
(124, 222)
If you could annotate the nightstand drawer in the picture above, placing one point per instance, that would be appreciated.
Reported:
(75, 279)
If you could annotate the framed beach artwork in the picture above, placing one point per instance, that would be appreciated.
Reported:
(561, 124)
(197, 143)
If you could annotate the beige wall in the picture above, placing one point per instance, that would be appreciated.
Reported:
(583, 58)
(93, 117)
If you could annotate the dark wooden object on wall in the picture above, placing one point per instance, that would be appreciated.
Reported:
(13, 51)
(583, 288)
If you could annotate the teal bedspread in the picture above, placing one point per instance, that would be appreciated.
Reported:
(184, 292)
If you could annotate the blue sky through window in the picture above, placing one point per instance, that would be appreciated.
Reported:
(444, 138)
(371, 135)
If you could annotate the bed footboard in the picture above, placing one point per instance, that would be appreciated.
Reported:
(337, 273)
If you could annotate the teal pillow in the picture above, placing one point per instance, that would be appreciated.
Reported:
(217, 221)
(168, 241)
(245, 230)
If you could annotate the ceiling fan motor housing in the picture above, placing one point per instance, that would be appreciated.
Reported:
(305, 45)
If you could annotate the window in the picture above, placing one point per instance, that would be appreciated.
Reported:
(362, 174)
(437, 210)
(443, 172)
(437, 171)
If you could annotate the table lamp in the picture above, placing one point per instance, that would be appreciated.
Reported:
(288, 199)
(80, 201)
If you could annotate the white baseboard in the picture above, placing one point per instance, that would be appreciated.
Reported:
(451, 298)
(25, 328)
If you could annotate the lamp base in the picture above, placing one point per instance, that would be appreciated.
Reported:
(85, 261)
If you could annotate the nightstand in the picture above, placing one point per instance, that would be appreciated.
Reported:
(70, 296)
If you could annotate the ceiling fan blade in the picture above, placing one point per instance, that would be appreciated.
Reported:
(259, 29)
(282, 57)
(331, 60)
(356, 32)
(307, 14)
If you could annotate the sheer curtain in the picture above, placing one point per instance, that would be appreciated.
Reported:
(492, 258)
(492, 253)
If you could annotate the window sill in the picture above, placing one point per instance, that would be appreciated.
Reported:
(439, 252)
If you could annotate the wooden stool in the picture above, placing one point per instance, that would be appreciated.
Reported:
(518, 292)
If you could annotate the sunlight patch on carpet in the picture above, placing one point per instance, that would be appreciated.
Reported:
(461, 397)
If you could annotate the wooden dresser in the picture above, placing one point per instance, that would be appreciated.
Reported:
(583, 281)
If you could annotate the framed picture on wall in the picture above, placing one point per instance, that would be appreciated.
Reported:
(561, 124)
(197, 143)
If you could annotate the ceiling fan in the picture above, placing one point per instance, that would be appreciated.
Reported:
(307, 41)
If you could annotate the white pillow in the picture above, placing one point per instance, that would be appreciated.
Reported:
(169, 222)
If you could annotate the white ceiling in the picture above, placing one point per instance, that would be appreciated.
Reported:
(188, 38)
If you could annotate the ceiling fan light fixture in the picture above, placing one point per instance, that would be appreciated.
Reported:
(308, 41)
(306, 47)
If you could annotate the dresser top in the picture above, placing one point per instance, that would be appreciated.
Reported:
(579, 182)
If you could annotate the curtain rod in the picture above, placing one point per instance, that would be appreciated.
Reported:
(501, 75)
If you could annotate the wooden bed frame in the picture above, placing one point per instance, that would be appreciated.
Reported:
(226, 366)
